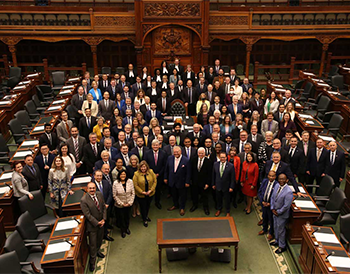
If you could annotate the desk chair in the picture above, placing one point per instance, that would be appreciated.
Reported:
(320, 109)
(39, 105)
(178, 108)
(17, 131)
(345, 231)
(334, 125)
(5, 153)
(38, 210)
(323, 190)
(338, 84)
(10, 263)
(58, 80)
(24, 119)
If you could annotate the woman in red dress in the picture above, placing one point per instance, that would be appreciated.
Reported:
(249, 180)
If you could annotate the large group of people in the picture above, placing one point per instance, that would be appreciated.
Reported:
(244, 144)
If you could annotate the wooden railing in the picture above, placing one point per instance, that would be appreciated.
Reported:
(5, 69)
(340, 59)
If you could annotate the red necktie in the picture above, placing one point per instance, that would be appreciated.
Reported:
(155, 158)
(96, 203)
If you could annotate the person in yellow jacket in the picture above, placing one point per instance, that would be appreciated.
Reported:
(145, 182)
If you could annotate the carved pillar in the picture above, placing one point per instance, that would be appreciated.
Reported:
(138, 34)
(325, 40)
(249, 41)
(93, 42)
(12, 49)
(139, 50)
(205, 55)
(94, 58)
(205, 34)
(11, 42)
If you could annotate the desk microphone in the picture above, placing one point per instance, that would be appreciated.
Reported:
(318, 229)
(69, 242)
(331, 254)
(83, 190)
(75, 219)
(8, 185)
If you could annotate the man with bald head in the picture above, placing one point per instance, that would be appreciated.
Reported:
(196, 133)
(336, 164)
(177, 175)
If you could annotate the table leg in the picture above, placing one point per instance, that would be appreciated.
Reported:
(236, 256)
(160, 259)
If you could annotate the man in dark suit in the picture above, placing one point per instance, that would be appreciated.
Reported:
(285, 143)
(92, 153)
(140, 151)
(127, 94)
(219, 91)
(210, 94)
(257, 104)
(227, 85)
(202, 86)
(316, 162)
(177, 66)
(278, 115)
(154, 113)
(137, 86)
(128, 105)
(122, 83)
(208, 129)
(105, 188)
(131, 74)
(93, 207)
(288, 98)
(173, 92)
(217, 66)
(277, 146)
(169, 149)
(49, 138)
(104, 83)
(243, 155)
(156, 159)
(76, 145)
(233, 77)
(86, 124)
(216, 105)
(86, 87)
(188, 75)
(246, 85)
(177, 175)
(240, 143)
(112, 151)
(124, 154)
(190, 98)
(201, 180)
(305, 145)
(164, 104)
(223, 182)
(296, 156)
(77, 103)
(32, 174)
(87, 78)
(255, 138)
(234, 108)
(336, 164)
(188, 151)
(196, 133)
(44, 162)
(104, 160)
(106, 107)
(112, 89)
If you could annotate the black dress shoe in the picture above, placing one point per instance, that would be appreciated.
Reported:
(92, 268)
(158, 205)
(100, 254)
(145, 224)
(280, 250)
(128, 231)
(274, 243)
(123, 235)
(193, 208)
(206, 211)
(108, 238)
(148, 219)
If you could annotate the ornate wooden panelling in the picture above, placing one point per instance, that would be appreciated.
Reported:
(172, 39)
(114, 21)
(228, 20)
(171, 9)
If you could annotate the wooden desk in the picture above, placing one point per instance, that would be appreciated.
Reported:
(308, 124)
(312, 258)
(306, 74)
(2, 231)
(345, 71)
(73, 80)
(56, 109)
(29, 144)
(204, 232)
(71, 261)
(319, 84)
(67, 91)
(79, 230)
(300, 216)
(21, 154)
(345, 112)
(337, 100)
(347, 192)
(3, 125)
(27, 90)
(71, 203)
(38, 129)
(8, 202)
(36, 77)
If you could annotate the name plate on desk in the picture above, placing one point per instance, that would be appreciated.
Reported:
(68, 226)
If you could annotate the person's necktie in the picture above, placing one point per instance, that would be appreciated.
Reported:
(221, 170)
(228, 146)
(100, 187)
(155, 158)
(108, 178)
(291, 152)
(235, 108)
(190, 95)
(332, 158)
(163, 105)
(267, 191)
(188, 153)
(45, 161)
(209, 95)
(32, 169)
(274, 167)
(96, 203)
(106, 103)
(281, 116)
(126, 158)
(257, 102)
(200, 164)
(176, 164)
(140, 153)
(269, 127)
(178, 140)
(146, 140)
(67, 128)
(254, 138)
(50, 138)
(172, 150)
(129, 120)
(318, 154)
(88, 122)
(94, 150)
(76, 150)
(278, 191)
(305, 149)
(242, 147)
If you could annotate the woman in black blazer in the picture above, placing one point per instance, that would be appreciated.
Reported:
(210, 75)
(203, 115)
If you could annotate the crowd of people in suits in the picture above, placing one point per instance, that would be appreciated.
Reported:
(244, 144)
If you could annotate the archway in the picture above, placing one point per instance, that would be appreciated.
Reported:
(169, 42)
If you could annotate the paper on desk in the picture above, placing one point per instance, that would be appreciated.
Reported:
(65, 91)
(333, 92)
(338, 261)
(5, 102)
(310, 122)
(19, 87)
(6, 175)
(301, 189)
(323, 85)
(23, 83)
(85, 179)
(297, 105)
(326, 237)
(58, 101)
(30, 143)
(66, 225)
(306, 116)
(280, 89)
(54, 108)
(32, 75)
(309, 73)
(170, 124)
(22, 153)
(4, 189)
(326, 138)
(56, 248)
(39, 128)
(66, 87)
(304, 204)
(74, 79)
(276, 85)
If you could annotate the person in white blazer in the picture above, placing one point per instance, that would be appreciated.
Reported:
(91, 104)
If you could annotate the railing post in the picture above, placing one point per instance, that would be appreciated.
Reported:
(256, 71)
(83, 68)
(329, 60)
(46, 70)
(291, 71)
(6, 64)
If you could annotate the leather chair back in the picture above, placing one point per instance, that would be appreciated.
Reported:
(30, 107)
(15, 243)
(345, 226)
(23, 118)
(326, 186)
(15, 72)
(336, 202)
(26, 227)
(177, 108)
(35, 207)
(338, 80)
(9, 263)
(58, 78)
(16, 128)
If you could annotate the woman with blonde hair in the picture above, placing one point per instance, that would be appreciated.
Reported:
(98, 129)
(290, 110)
(145, 182)
(141, 120)
(59, 184)
(153, 123)
(90, 104)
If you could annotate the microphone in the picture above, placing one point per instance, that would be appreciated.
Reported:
(75, 219)
(69, 242)
(318, 229)
(83, 190)
(331, 254)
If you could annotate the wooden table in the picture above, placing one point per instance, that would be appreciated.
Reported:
(56, 109)
(319, 84)
(3, 125)
(38, 129)
(73, 80)
(300, 216)
(67, 92)
(308, 124)
(345, 71)
(337, 100)
(345, 112)
(306, 74)
(2, 231)
(312, 258)
(196, 232)
(79, 230)
(36, 77)
(71, 203)
(19, 155)
(8, 202)
(30, 144)
(347, 192)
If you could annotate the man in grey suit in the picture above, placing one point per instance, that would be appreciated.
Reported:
(269, 124)
(93, 206)
(281, 200)
(64, 127)
(106, 107)
(76, 144)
